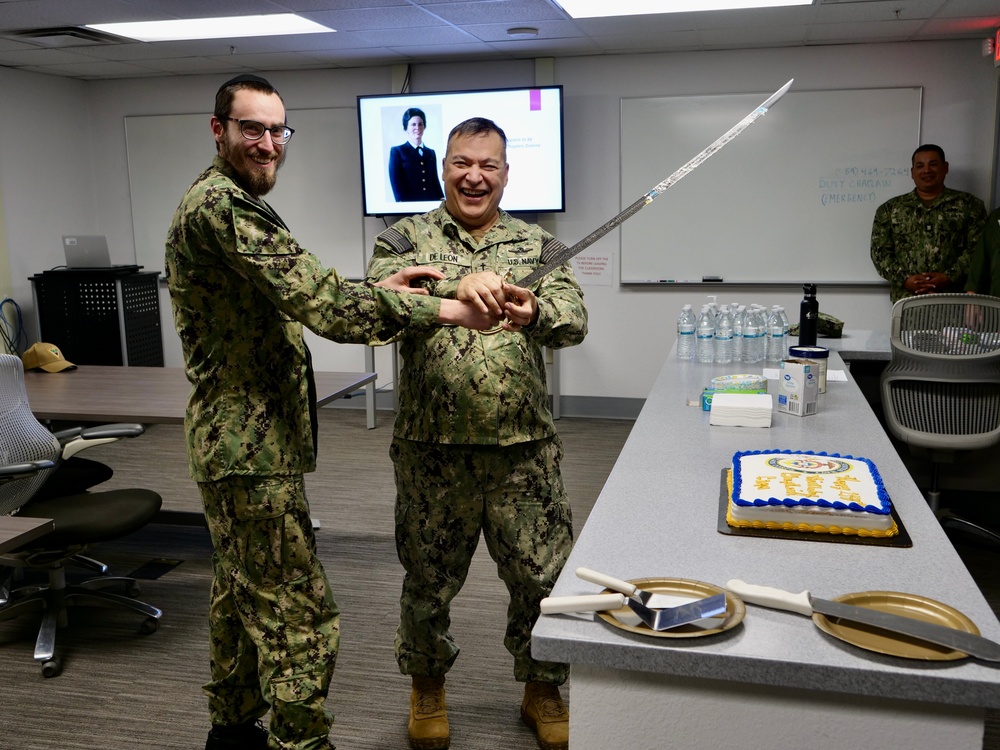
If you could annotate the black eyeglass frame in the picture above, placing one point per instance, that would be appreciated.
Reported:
(283, 136)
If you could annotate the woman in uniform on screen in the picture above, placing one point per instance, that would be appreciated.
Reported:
(413, 166)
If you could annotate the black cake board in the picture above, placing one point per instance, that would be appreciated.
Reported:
(902, 539)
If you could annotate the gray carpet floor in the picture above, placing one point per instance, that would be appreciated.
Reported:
(123, 690)
(120, 689)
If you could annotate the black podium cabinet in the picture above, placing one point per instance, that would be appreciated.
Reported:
(105, 316)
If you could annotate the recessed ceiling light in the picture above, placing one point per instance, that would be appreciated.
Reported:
(277, 24)
(604, 9)
(522, 32)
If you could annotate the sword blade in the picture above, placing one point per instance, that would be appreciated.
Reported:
(550, 264)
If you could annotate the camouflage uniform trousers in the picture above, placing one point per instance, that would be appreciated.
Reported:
(445, 496)
(274, 627)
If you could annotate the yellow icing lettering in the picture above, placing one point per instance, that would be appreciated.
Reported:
(844, 490)
(790, 480)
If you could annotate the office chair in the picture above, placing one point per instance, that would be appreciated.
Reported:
(28, 454)
(941, 390)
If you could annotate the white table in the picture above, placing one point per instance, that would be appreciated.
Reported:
(775, 681)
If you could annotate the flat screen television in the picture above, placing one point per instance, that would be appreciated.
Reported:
(532, 118)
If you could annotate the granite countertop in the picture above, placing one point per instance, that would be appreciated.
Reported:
(860, 345)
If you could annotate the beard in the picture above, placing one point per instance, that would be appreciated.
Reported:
(256, 181)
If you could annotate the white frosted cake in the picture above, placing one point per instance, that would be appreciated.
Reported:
(823, 493)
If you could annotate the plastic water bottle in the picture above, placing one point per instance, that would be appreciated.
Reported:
(784, 321)
(724, 337)
(784, 327)
(775, 337)
(704, 342)
(685, 333)
(738, 315)
(753, 336)
(761, 342)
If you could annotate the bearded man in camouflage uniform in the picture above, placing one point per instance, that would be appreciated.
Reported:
(241, 288)
(475, 448)
(922, 241)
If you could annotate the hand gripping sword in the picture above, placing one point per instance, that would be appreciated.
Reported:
(562, 255)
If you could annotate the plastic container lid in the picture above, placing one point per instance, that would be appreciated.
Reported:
(809, 352)
(741, 382)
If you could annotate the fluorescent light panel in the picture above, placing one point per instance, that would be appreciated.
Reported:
(277, 24)
(604, 9)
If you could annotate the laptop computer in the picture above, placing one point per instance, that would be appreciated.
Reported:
(86, 251)
(89, 252)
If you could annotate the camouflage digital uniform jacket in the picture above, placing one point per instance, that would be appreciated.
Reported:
(241, 288)
(460, 386)
(909, 237)
(984, 271)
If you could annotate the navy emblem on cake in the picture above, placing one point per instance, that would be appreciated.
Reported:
(809, 464)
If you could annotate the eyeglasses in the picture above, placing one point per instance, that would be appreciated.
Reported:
(254, 131)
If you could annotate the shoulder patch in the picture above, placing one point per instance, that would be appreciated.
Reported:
(550, 250)
(396, 240)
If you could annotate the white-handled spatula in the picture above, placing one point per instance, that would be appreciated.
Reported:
(646, 598)
(655, 619)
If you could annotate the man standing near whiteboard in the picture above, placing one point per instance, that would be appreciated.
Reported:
(922, 241)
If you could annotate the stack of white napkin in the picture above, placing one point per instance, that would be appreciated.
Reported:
(741, 410)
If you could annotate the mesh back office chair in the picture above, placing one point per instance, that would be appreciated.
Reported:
(27, 448)
(941, 391)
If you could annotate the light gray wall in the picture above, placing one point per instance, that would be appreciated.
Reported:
(68, 173)
(46, 171)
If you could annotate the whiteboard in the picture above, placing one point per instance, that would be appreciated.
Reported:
(318, 193)
(790, 200)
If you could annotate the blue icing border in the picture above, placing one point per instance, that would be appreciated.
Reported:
(884, 508)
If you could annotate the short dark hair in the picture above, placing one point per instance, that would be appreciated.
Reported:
(410, 114)
(928, 147)
(227, 92)
(479, 126)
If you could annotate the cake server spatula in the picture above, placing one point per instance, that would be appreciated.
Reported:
(647, 598)
(805, 604)
(654, 619)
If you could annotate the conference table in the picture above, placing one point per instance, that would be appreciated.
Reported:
(149, 395)
(16, 531)
(774, 679)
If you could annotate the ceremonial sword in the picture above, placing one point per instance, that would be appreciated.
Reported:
(561, 256)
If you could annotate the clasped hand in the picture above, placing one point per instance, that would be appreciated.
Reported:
(927, 283)
(515, 306)
(494, 300)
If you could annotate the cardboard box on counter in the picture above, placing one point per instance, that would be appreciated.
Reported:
(798, 387)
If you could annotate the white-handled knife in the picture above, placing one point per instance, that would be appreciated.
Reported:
(805, 604)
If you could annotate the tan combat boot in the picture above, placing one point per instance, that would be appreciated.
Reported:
(544, 711)
(428, 727)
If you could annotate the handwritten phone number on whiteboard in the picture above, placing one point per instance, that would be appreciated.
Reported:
(872, 172)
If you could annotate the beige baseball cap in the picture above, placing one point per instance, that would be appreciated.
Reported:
(47, 357)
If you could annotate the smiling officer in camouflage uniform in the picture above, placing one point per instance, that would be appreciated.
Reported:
(241, 288)
(475, 447)
(922, 241)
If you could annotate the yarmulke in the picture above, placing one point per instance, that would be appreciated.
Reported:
(245, 78)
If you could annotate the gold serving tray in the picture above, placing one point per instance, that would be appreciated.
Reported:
(897, 644)
(735, 609)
